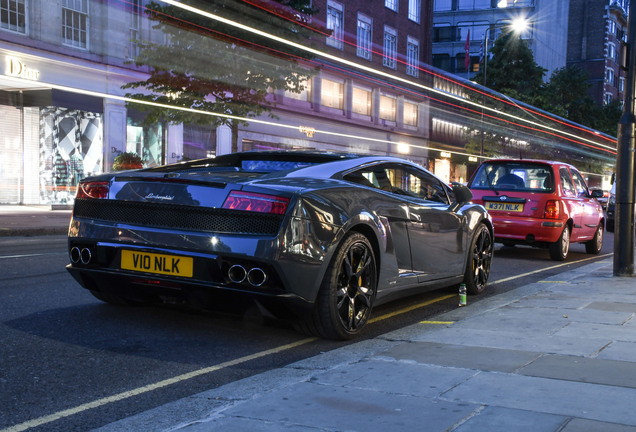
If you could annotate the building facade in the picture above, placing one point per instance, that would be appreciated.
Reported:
(65, 112)
(462, 26)
(598, 30)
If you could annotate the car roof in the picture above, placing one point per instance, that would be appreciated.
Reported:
(541, 161)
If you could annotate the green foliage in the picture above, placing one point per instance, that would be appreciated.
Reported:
(512, 70)
(207, 65)
(126, 161)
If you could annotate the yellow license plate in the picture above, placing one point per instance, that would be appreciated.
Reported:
(172, 265)
(502, 206)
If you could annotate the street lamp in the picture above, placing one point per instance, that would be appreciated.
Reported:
(518, 26)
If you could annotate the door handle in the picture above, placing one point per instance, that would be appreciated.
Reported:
(415, 217)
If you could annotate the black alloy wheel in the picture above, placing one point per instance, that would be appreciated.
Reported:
(479, 260)
(348, 291)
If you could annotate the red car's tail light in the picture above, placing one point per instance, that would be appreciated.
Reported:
(255, 202)
(552, 209)
(96, 190)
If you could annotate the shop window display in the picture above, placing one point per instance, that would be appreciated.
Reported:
(71, 148)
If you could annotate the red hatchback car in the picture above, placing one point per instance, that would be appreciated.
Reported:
(539, 203)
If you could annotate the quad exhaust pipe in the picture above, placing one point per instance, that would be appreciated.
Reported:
(78, 255)
(254, 276)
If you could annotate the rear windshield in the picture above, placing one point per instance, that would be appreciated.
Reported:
(524, 176)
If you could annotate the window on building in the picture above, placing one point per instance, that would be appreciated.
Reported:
(361, 103)
(611, 27)
(390, 48)
(364, 37)
(445, 33)
(75, 23)
(135, 26)
(332, 94)
(13, 15)
(514, 3)
(335, 23)
(391, 4)
(608, 98)
(302, 93)
(415, 6)
(474, 4)
(412, 57)
(410, 114)
(443, 5)
(621, 84)
(442, 61)
(609, 76)
(388, 105)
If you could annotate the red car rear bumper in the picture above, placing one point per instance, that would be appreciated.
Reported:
(527, 229)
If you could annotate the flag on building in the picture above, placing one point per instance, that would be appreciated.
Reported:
(467, 51)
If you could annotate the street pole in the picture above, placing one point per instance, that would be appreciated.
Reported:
(483, 97)
(624, 232)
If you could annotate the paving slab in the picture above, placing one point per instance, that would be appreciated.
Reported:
(461, 356)
(583, 425)
(599, 331)
(335, 408)
(617, 350)
(583, 369)
(400, 378)
(496, 419)
(548, 396)
(574, 345)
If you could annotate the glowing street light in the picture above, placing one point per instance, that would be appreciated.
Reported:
(518, 26)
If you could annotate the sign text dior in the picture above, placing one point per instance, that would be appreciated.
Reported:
(17, 68)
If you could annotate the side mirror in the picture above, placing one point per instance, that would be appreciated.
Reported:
(596, 193)
(462, 193)
(462, 196)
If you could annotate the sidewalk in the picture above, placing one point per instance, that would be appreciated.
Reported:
(556, 355)
(23, 220)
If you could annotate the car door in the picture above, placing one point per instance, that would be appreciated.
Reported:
(571, 200)
(589, 206)
(435, 233)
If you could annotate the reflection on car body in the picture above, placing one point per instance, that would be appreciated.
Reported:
(540, 203)
(318, 238)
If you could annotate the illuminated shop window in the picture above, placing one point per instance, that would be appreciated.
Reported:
(361, 101)
(388, 106)
(410, 114)
(332, 94)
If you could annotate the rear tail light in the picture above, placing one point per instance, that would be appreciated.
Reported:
(552, 209)
(96, 190)
(255, 202)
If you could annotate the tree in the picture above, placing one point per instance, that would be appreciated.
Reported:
(512, 70)
(211, 66)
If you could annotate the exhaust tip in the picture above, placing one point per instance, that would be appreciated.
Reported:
(256, 277)
(75, 255)
(86, 255)
(237, 273)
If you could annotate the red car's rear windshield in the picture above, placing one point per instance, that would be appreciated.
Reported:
(510, 176)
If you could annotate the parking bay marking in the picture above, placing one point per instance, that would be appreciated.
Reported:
(167, 382)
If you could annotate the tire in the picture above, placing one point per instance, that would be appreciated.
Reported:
(348, 290)
(560, 248)
(479, 260)
(594, 246)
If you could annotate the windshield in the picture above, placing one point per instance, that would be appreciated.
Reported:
(508, 176)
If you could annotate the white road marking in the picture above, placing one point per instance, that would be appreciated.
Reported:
(150, 387)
